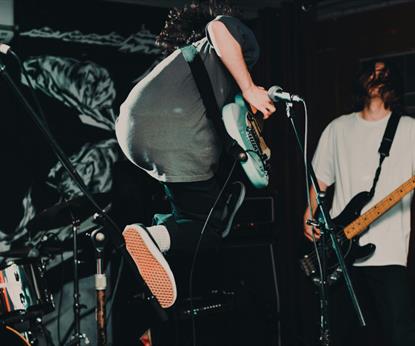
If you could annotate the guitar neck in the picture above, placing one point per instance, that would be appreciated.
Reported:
(363, 221)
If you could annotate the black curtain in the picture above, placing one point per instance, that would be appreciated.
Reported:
(287, 42)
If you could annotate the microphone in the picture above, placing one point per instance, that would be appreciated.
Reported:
(5, 48)
(275, 93)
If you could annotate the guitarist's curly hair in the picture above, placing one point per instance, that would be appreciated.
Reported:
(187, 25)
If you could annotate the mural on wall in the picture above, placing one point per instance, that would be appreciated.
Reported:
(82, 60)
(79, 88)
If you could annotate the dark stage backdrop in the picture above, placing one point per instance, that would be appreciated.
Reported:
(335, 49)
(82, 58)
(318, 59)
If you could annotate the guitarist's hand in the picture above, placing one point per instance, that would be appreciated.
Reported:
(308, 230)
(230, 52)
(258, 98)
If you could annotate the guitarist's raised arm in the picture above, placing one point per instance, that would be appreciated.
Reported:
(308, 230)
(230, 52)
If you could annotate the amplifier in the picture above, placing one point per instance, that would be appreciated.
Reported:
(255, 218)
(255, 211)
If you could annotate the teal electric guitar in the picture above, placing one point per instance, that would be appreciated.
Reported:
(245, 128)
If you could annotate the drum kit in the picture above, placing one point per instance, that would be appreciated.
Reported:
(24, 294)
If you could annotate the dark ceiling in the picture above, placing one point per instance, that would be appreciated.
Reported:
(324, 8)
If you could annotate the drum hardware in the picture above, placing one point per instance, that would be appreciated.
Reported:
(99, 239)
(70, 212)
(30, 332)
(115, 234)
(11, 337)
(33, 251)
(60, 215)
(23, 291)
(77, 337)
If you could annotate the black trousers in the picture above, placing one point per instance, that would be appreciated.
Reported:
(387, 304)
(191, 204)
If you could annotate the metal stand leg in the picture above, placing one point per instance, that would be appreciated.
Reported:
(77, 336)
(99, 240)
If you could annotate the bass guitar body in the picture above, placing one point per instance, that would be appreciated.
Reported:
(351, 250)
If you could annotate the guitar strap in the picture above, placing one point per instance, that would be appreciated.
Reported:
(204, 85)
(385, 146)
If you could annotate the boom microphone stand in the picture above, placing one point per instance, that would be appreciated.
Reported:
(115, 233)
(327, 229)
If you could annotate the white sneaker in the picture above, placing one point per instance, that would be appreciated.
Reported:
(151, 264)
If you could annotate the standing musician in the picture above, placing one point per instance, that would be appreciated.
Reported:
(163, 129)
(347, 156)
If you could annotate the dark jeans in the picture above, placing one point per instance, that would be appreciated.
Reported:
(191, 204)
(387, 305)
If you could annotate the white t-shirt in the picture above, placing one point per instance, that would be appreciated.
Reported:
(347, 154)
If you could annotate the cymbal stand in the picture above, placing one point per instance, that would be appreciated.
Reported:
(99, 240)
(77, 337)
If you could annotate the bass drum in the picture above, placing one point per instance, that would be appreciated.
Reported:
(10, 337)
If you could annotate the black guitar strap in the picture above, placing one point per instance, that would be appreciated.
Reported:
(385, 146)
(204, 85)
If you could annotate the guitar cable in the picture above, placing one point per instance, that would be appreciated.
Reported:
(192, 315)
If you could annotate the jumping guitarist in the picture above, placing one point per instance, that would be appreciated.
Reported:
(163, 128)
(349, 156)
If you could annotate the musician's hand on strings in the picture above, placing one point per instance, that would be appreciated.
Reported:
(309, 229)
(258, 98)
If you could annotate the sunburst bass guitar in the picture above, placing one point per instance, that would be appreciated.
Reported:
(246, 129)
(348, 227)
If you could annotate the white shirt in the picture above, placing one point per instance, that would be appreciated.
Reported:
(347, 154)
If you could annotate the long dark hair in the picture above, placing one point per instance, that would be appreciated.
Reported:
(391, 92)
(187, 25)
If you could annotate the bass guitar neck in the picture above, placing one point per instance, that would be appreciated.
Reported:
(363, 221)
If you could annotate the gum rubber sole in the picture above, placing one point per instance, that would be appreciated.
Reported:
(151, 264)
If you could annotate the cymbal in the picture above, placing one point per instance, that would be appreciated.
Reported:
(63, 214)
(31, 252)
(18, 252)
